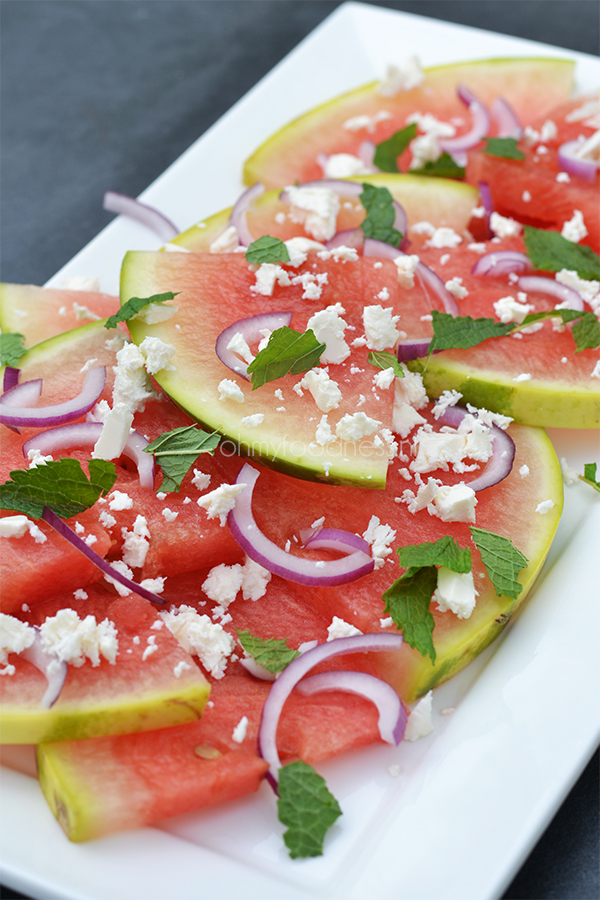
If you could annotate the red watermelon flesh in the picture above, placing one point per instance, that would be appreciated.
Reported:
(131, 695)
(552, 202)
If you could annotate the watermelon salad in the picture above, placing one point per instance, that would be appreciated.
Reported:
(296, 476)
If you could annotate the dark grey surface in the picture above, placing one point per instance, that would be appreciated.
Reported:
(100, 94)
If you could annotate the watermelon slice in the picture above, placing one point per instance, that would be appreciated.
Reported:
(531, 86)
(136, 693)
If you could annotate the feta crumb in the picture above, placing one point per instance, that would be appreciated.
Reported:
(356, 426)
(455, 592)
(504, 227)
(419, 722)
(384, 378)
(343, 165)
(80, 594)
(230, 390)
(14, 526)
(588, 289)
(570, 476)
(477, 247)
(157, 355)
(200, 480)
(132, 385)
(510, 310)
(37, 534)
(200, 637)
(329, 328)
(455, 287)
(227, 241)
(544, 507)
(119, 500)
(388, 622)
(115, 432)
(323, 434)
(221, 501)
(298, 249)
(526, 197)
(524, 376)
(407, 267)
(36, 458)
(548, 131)
(574, 230)
(340, 629)
(595, 373)
(82, 312)
(444, 237)
(380, 330)
(252, 421)
(156, 585)
(169, 514)
(151, 647)
(239, 732)
(267, 275)
(255, 579)
(563, 177)
(15, 636)
(180, 668)
(401, 78)
(325, 391)
(341, 254)
(73, 640)
(379, 537)
(356, 123)
(444, 401)
(136, 543)
(119, 566)
(106, 519)
(524, 471)
(455, 503)
(239, 345)
(316, 208)
(312, 284)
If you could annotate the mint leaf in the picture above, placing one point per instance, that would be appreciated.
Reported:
(506, 148)
(589, 476)
(272, 654)
(501, 559)
(288, 352)
(267, 249)
(387, 152)
(176, 451)
(551, 252)
(61, 485)
(586, 332)
(11, 348)
(379, 222)
(383, 359)
(407, 602)
(460, 332)
(133, 306)
(306, 807)
(443, 552)
(443, 167)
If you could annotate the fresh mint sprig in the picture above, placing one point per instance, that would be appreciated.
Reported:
(505, 148)
(288, 352)
(176, 451)
(383, 359)
(407, 601)
(267, 249)
(589, 476)
(306, 807)
(379, 221)
(134, 305)
(59, 484)
(442, 167)
(501, 559)
(11, 348)
(443, 552)
(388, 151)
(551, 252)
(272, 654)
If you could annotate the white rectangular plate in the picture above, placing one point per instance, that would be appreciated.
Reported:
(472, 798)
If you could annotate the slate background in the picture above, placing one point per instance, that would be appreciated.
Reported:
(100, 94)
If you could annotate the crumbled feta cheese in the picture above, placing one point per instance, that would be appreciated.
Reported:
(169, 514)
(340, 629)
(548, 131)
(388, 622)
(298, 249)
(428, 124)
(444, 237)
(588, 289)
(255, 579)
(570, 476)
(136, 543)
(266, 276)
(36, 458)
(384, 378)
(490, 418)
(325, 391)
(477, 247)
(200, 637)
(455, 287)
(150, 648)
(155, 313)
(380, 327)
(504, 227)
(455, 503)
(156, 585)
(119, 566)
(526, 197)
(323, 434)
(15, 636)
(445, 401)
(524, 376)
(401, 78)
(119, 500)
(455, 592)
(341, 254)
(510, 310)
(343, 165)
(73, 640)
(132, 385)
(227, 241)
(239, 732)
(407, 266)
(563, 178)
(329, 328)
(379, 537)
(157, 355)
(544, 507)
(114, 434)
(419, 722)
(405, 417)
(411, 389)
(14, 526)
(574, 230)
(230, 390)
(312, 284)
(82, 312)
(88, 364)
(180, 668)
(316, 208)
(239, 345)
(221, 501)
(595, 373)
(424, 148)
(253, 421)
(80, 594)
(524, 471)
(423, 499)
(356, 123)
(200, 480)
(37, 534)
(355, 427)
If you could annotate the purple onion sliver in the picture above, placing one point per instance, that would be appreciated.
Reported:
(480, 125)
(54, 670)
(297, 669)
(336, 539)
(487, 202)
(25, 394)
(255, 669)
(351, 237)
(380, 249)
(61, 413)
(502, 262)
(11, 377)
(251, 329)
(325, 573)
(366, 153)
(392, 715)
(574, 165)
(238, 213)
(63, 529)
(140, 212)
(500, 464)
(539, 284)
(506, 119)
(416, 348)
(428, 278)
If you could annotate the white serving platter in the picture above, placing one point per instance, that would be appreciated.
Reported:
(472, 798)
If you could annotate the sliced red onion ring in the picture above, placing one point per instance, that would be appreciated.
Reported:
(392, 715)
(506, 119)
(254, 668)
(539, 284)
(502, 262)
(25, 394)
(11, 378)
(86, 434)
(54, 670)
(351, 237)
(61, 413)
(297, 669)
(413, 348)
(251, 329)
(366, 152)
(480, 126)
(575, 165)
(238, 213)
(351, 190)
(333, 539)
(63, 529)
(325, 573)
(488, 204)
(145, 215)
(500, 463)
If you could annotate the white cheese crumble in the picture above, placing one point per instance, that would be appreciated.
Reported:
(119, 500)
(444, 237)
(150, 648)
(239, 732)
(80, 594)
(298, 249)
(380, 327)
(589, 290)
(455, 592)
(570, 476)
(14, 526)
(323, 434)
(200, 637)
(401, 78)
(180, 668)
(221, 501)
(226, 242)
(136, 543)
(340, 629)
(119, 566)
(341, 254)
(524, 471)
(356, 123)
(73, 640)
(200, 480)
(156, 585)
(329, 328)
(115, 433)
(595, 373)
(504, 227)
(316, 208)
(266, 276)
(355, 427)
(312, 284)
(325, 391)
(384, 378)
(563, 178)
(544, 507)
(239, 345)
(223, 583)
(574, 229)
(419, 722)
(455, 287)
(510, 310)
(15, 636)
(379, 537)
(253, 421)
(343, 165)
(230, 390)
(132, 385)
(455, 503)
(36, 458)
(524, 376)
(407, 267)
(169, 514)
(445, 401)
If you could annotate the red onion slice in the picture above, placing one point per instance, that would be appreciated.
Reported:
(297, 669)
(575, 165)
(500, 464)
(145, 215)
(351, 237)
(502, 262)
(63, 529)
(333, 539)
(54, 670)
(506, 119)
(539, 284)
(86, 434)
(11, 378)
(324, 573)
(413, 348)
(488, 204)
(23, 395)
(426, 276)
(366, 153)
(61, 413)
(480, 126)
(238, 213)
(351, 190)
(251, 330)
(392, 715)
(255, 669)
